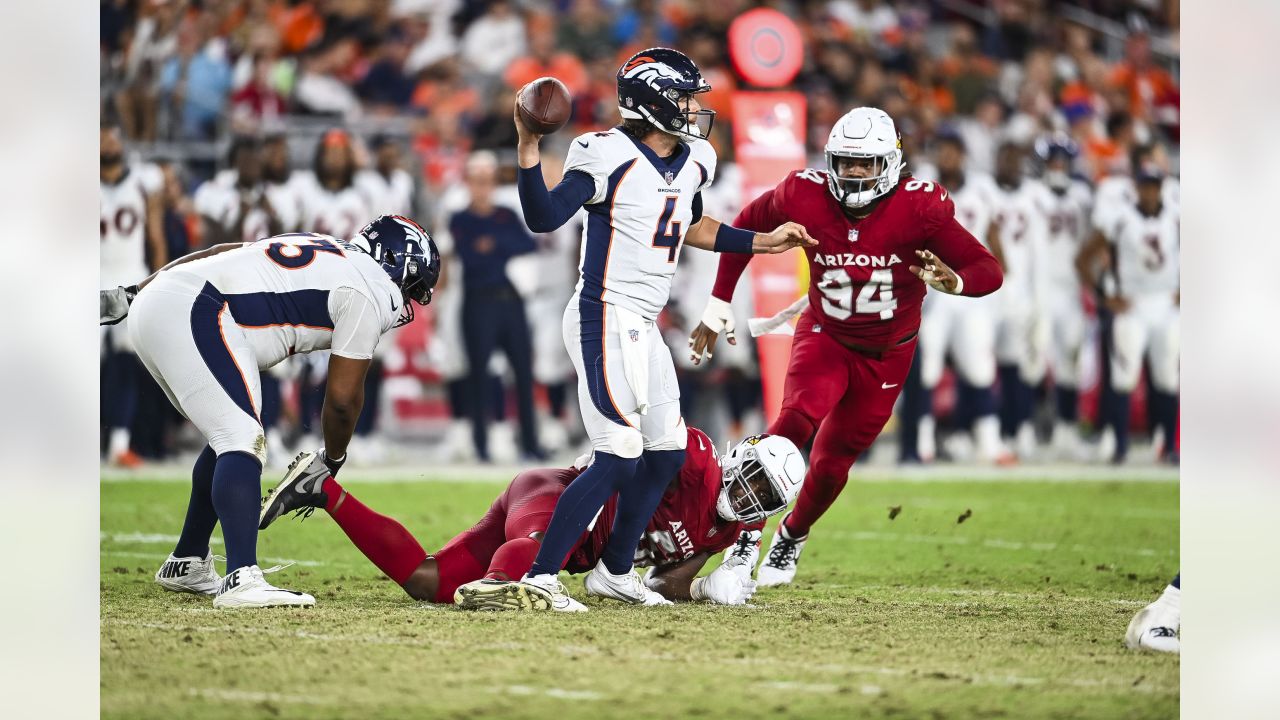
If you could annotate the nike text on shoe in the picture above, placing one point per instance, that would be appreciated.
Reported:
(1154, 627)
(246, 588)
(747, 547)
(628, 587)
(189, 574)
(299, 490)
(779, 566)
(490, 594)
(553, 591)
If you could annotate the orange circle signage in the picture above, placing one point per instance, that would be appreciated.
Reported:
(766, 47)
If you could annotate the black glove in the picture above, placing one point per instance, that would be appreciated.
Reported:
(334, 465)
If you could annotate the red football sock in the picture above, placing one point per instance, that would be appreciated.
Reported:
(513, 559)
(383, 540)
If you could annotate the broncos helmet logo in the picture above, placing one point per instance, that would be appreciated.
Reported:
(649, 72)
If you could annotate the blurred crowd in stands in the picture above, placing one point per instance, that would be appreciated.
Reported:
(268, 116)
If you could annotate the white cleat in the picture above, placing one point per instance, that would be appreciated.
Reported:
(189, 574)
(1155, 627)
(627, 587)
(747, 547)
(779, 567)
(489, 594)
(246, 588)
(553, 594)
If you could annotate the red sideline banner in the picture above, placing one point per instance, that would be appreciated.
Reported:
(768, 139)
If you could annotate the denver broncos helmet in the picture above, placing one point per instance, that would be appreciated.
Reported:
(655, 85)
(407, 254)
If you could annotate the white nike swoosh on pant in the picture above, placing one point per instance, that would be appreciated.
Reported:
(886, 386)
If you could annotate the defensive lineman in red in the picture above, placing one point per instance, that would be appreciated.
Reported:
(882, 238)
(702, 513)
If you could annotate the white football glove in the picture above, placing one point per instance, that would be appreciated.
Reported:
(113, 304)
(724, 586)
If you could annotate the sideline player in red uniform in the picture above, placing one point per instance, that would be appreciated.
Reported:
(880, 242)
(702, 513)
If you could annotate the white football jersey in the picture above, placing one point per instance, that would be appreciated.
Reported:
(1117, 192)
(637, 218)
(1144, 250)
(386, 195)
(123, 224)
(1023, 215)
(301, 292)
(1069, 213)
(974, 200)
(340, 214)
(219, 201)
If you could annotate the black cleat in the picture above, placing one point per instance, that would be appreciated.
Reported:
(299, 490)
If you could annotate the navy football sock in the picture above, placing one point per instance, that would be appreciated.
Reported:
(1177, 581)
(1010, 386)
(637, 501)
(201, 517)
(1120, 423)
(578, 505)
(237, 491)
(1068, 404)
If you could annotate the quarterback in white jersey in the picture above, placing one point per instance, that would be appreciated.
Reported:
(208, 323)
(963, 328)
(640, 185)
(330, 202)
(1142, 241)
(1070, 207)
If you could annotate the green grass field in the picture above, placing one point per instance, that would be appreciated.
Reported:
(1017, 612)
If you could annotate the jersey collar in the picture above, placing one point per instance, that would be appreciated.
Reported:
(672, 164)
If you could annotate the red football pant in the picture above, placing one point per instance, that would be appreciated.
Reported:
(844, 396)
(499, 545)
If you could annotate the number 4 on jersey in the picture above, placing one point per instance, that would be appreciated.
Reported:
(667, 235)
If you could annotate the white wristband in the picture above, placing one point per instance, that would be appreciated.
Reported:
(718, 315)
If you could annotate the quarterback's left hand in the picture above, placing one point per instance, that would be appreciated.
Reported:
(936, 274)
(724, 586)
(113, 305)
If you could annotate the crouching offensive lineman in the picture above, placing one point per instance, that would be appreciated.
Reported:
(206, 324)
(705, 508)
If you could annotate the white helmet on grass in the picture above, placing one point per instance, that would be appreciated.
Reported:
(761, 476)
(864, 133)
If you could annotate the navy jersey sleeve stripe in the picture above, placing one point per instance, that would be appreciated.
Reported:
(300, 308)
(206, 331)
(600, 235)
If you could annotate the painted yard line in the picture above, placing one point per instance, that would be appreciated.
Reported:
(997, 543)
(473, 473)
(971, 592)
(147, 538)
(110, 553)
(251, 696)
(558, 693)
(961, 677)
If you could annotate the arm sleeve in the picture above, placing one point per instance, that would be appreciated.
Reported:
(356, 325)
(758, 216)
(975, 265)
(545, 210)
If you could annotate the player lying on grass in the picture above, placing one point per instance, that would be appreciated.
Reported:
(704, 509)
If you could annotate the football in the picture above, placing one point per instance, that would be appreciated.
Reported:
(544, 105)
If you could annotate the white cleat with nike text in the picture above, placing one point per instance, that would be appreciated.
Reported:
(627, 587)
(189, 574)
(246, 588)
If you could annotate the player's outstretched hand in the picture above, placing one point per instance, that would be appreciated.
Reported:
(936, 274)
(716, 318)
(724, 586)
(113, 304)
(785, 237)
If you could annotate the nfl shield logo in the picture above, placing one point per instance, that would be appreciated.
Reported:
(853, 235)
(635, 335)
(669, 176)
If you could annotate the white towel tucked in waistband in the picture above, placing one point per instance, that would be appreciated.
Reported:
(633, 335)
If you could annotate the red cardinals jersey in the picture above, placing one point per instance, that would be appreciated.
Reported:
(685, 524)
(860, 284)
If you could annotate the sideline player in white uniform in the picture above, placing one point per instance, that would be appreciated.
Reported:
(236, 204)
(1143, 240)
(132, 237)
(208, 323)
(1070, 208)
(387, 187)
(1022, 340)
(640, 185)
(331, 204)
(963, 327)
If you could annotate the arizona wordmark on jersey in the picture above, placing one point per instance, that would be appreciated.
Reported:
(637, 218)
(300, 292)
(123, 224)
